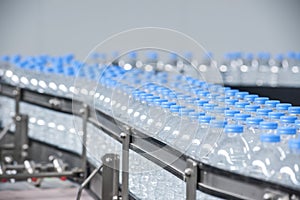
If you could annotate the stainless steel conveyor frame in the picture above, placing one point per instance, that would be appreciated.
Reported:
(197, 175)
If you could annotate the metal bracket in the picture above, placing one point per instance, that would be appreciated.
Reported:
(17, 94)
(85, 115)
(21, 138)
(191, 174)
(126, 137)
(110, 176)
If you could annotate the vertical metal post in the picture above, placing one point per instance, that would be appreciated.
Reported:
(21, 131)
(21, 138)
(125, 164)
(85, 114)
(110, 176)
(17, 93)
(191, 174)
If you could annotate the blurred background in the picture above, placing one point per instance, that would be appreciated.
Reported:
(57, 27)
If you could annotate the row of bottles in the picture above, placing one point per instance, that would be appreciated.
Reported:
(223, 127)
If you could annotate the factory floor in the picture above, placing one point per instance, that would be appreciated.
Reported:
(51, 188)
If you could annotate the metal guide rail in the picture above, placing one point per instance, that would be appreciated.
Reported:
(197, 175)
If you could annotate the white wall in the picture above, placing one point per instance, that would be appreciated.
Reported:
(61, 26)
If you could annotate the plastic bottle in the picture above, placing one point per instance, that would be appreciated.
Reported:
(197, 142)
(252, 131)
(263, 112)
(286, 133)
(266, 157)
(294, 111)
(240, 118)
(209, 142)
(251, 109)
(268, 127)
(232, 151)
(287, 121)
(289, 170)
(283, 107)
(271, 104)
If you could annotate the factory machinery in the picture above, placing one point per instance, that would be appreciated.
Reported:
(104, 167)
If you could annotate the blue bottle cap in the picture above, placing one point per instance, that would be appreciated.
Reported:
(5, 58)
(241, 94)
(231, 101)
(174, 110)
(288, 119)
(201, 102)
(205, 119)
(241, 116)
(269, 138)
(221, 99)
(297, 123)
(166, 105)
(208, 106)
(263, 111)
(275, 115)
(231, 113)
(177, 106)
(268, 125)
(251, 108)
(272, 103)
(294, 110)
(196, 115)
(218, 123)
(219, 109)
(202, 93)
(294, 144)
(249, 56)
(152, 55)
(261, 100)
(223, 89)
(173, 56)
(132, 55)
(212, 96)
(250, 97)
(253, 120)
(241, 104)
(283, 106)
(186, 110)
(286, 131)
(233, 129)
(231, 92)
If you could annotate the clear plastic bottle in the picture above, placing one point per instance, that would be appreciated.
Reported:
(250, 98)
(240, 105)
(241, 95)
(287, 121)
(203, 127)
(271, 104)
(286, 133)
(283, 107)
(263, 112)
(251, 109)
(260, 101)
(240, 118)
(294, 111)
(289, 170)
(229, 115)
(168, 127)
(232, 151)
(267, 127)
(209, 142)
(266, 157)
(252, 131)
(179, 124)
(275, 116)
